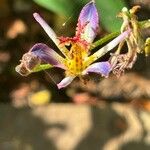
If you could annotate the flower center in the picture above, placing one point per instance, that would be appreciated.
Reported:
(75, 62)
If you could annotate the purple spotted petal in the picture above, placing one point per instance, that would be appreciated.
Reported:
(88, 22)
(102, 68)
(47, 55)
(65, 82)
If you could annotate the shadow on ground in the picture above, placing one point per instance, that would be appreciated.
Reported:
(74, 127)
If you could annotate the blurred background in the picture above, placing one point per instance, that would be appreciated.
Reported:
(35, 115)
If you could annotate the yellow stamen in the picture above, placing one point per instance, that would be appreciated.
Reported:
(75, 62)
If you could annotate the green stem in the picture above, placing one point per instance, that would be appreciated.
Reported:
(42, 67)
(143, 24)
(104, 39)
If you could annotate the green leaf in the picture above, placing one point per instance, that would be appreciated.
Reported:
(61, 7)
(108, 9)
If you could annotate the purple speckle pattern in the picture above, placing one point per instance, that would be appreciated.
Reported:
(89, 15)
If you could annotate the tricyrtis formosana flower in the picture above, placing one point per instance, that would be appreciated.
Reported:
(76, 61)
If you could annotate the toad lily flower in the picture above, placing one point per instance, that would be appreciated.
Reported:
(76, 61)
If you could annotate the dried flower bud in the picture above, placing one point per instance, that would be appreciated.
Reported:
(134, 42)
(147, 47)
(22, 70)
(28, 63)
